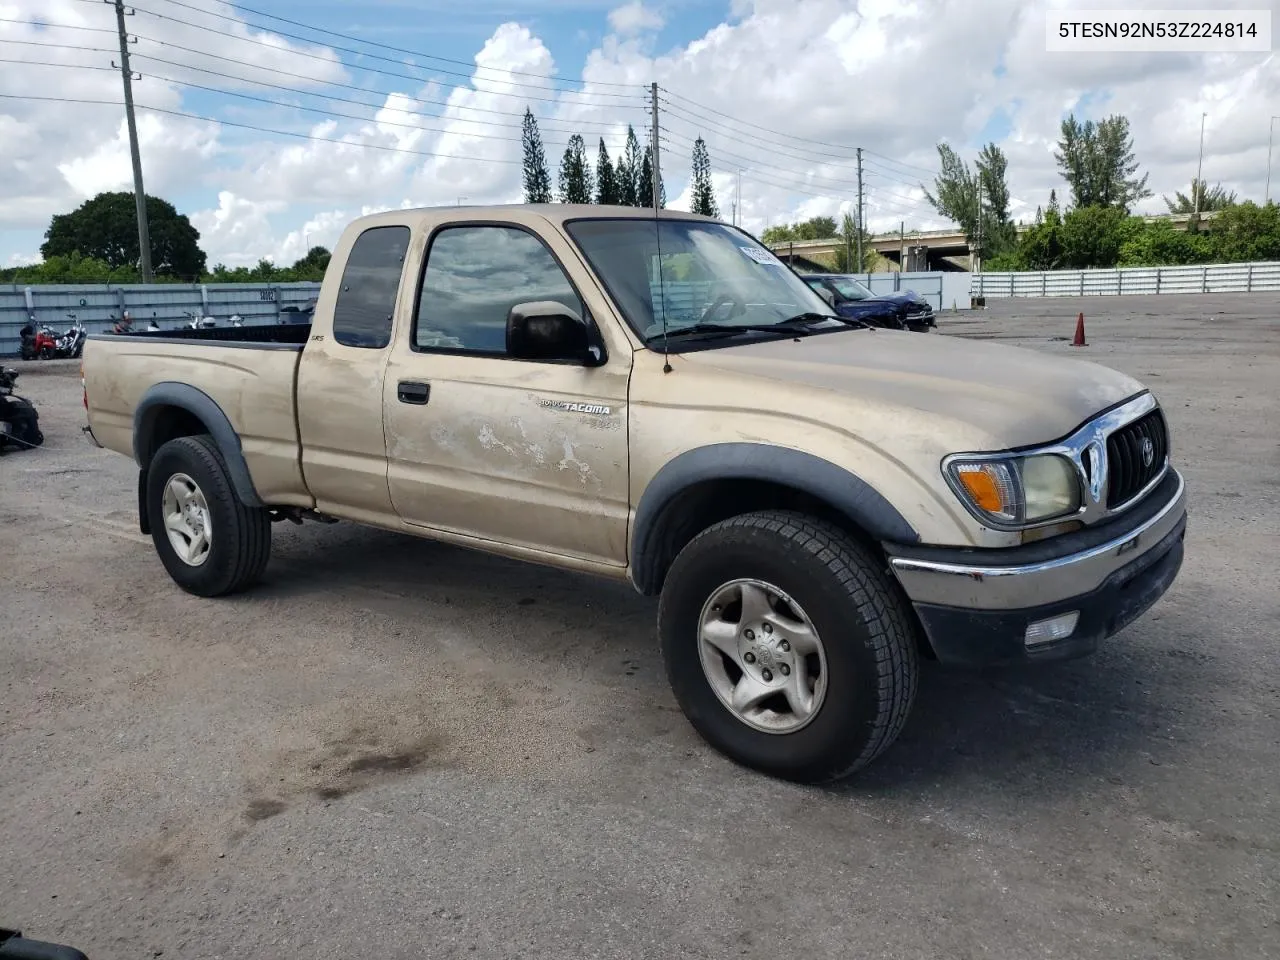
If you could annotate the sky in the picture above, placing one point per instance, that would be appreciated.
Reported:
(271, 135)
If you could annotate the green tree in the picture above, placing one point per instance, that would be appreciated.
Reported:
(312, 266)
(606, 182)
(106, 228)
(1160, 244)
(1039, 248)
(1092, 236)
(644, 186)
(977, 200)
(846, 255)
(575, 173)
(1246, 232)
(998, 231)
(1212, 198)
(537, 179)
(627, 170)
(703, 193)
(1098, 163)
(815, 228)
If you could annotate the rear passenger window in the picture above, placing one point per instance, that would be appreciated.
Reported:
(474, 276)
(370, 282)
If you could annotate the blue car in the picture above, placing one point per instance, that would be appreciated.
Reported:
(903, 310)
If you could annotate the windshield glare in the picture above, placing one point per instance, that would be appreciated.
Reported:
(705, 273)
(851, 289)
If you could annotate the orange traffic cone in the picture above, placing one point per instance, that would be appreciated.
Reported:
(1080, 341)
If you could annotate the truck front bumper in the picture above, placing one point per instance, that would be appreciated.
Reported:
(1050, 600)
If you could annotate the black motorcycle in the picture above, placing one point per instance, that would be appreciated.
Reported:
(71, 343)
(19, 422)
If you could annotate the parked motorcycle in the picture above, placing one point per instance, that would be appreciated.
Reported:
(197, 322)
(71, 343)
(19, 422)
(38, 343)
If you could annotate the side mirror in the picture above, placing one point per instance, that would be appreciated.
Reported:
(828, 296)
(547, 330)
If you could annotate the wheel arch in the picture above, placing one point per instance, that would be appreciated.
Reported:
(170, 410)
(706, 485)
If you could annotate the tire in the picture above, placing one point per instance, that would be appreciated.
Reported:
(867, 645)
(238, 537)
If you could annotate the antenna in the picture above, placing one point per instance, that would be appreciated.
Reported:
(657, 230)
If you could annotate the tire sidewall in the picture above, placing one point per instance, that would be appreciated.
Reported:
(200, 463)
(847, 719)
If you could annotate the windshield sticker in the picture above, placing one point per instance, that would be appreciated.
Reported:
(761, 256)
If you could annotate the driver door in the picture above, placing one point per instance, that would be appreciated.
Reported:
(531, 454)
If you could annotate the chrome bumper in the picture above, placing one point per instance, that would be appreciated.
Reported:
(1020, 586)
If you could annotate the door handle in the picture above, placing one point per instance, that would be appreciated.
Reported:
(409, 391)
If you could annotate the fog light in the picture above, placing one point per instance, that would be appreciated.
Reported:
(1055, 628)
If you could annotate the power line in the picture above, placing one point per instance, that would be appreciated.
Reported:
(820, 181)
(60, 26)
(375, 56)
(382, 46)
(746, 123)
(330, 83)
(270, 130)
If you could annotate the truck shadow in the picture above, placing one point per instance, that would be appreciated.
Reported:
(1023, 727)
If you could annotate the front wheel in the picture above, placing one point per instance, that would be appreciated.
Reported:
(210, 543)
(788, 646)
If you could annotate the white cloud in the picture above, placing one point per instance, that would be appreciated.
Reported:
(635, 17)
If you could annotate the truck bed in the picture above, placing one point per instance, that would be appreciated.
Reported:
(280, 334)
(249, 373)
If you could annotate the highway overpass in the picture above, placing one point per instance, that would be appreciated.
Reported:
(945, 250)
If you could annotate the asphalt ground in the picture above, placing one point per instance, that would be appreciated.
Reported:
(399, 749)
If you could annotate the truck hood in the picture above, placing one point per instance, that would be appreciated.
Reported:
(1016, 396)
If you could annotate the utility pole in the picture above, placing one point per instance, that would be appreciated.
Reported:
(1270, 136)
(657, 175)
(902, 246)
(978, 258)
(140, 195)
(860, 222)
(1197, 187)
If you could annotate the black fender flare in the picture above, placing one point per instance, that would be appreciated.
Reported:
(844, 491)
(204, 408)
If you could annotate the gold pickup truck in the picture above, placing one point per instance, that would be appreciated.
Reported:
(658, 399)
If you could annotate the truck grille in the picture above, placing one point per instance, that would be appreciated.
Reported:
(1128, 471)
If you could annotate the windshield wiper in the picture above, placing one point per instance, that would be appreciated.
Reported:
(812, 318)
(733, 329)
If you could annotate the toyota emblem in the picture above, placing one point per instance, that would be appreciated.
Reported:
(1148, 451)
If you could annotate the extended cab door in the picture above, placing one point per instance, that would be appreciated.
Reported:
(521, 452)
(344, 456)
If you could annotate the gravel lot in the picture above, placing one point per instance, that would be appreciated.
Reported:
(398, 749)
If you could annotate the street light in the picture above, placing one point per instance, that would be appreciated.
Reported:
(1269, 138)
(1197, 188)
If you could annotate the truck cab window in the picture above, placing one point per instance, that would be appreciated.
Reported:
(473, 277)
(367, 298)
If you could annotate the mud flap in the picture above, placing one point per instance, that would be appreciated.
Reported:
(144, 522)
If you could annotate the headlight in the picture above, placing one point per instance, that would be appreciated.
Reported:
(1016, 491)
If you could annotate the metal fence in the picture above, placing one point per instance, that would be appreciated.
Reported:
(1209, 278)
(98, 306)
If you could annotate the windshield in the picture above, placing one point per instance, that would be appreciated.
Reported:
(706, 273)
(850, 289)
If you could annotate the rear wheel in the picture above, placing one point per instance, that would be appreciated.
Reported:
(787, 646)
(210, 543)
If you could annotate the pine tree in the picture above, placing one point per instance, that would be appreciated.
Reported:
(644, 188)
(606, 179)
(704, 195)
(537, 179)
(575, 173)
(627, 172)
